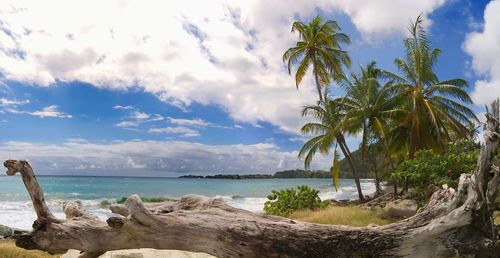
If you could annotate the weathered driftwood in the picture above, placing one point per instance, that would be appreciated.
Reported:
(454, 223)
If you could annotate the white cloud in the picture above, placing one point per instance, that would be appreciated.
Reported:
(10, 106)
(156, 117)
(198, 122)
(161, 156)
(484, 47)
(127, 124)
(7, 102)
(181, 130)
(190, 122)
(225, 53)
(138, 117)
(379, 18)
(298, 139)
(123, 107)
(50, 111)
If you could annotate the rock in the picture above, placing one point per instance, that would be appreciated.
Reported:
(377, 203)
(401, 208)
(372, 225)
(5, 231)
(20, 231)
(339, 202)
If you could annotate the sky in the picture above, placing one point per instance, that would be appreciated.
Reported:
(167, 88)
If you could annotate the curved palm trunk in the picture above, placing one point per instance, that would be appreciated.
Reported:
(348, 156)
(316, 77)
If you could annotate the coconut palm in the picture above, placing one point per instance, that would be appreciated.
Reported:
(320, 47)
(434, 109)
(369, 108)
(328, 133)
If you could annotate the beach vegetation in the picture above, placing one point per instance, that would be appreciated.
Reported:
(104, 204)
(341, 215)
(8, 249)
(428, 170)
(285, 201)
(319, 47)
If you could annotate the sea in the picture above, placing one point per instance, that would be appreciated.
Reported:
(16, 208)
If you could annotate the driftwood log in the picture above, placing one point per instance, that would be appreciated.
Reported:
(454, 223)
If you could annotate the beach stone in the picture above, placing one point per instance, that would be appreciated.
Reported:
(377, 203)
(19, 231)
(5, 231)
(401, 208)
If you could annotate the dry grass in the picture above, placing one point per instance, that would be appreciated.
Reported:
(341, 215)
(9, 250)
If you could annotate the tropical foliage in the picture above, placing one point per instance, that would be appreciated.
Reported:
(429, 170)
(433, 110)
(319, 47)
(406, 115)
(284, 202)
(329, 133)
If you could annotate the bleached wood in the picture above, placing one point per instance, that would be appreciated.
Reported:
(453, 223)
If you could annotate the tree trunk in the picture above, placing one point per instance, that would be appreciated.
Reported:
(318, 83)
(378, 188)
(453, 223)
(348, 156)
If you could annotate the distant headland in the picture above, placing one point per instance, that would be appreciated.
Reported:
(297, 173)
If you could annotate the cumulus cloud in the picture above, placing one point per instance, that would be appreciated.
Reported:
(484, 48)
(50, 111)
(379, 18)
(176, 157)
(226, 53)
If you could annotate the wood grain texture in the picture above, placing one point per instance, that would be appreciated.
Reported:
(453, 223)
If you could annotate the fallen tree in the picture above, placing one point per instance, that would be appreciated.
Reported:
(454, 223)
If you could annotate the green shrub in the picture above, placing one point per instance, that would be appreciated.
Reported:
(104, 204)
(428, 169)
(284, 202)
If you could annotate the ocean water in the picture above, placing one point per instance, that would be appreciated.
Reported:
(16, 209)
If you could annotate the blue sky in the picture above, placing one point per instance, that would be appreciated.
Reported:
(162, 89)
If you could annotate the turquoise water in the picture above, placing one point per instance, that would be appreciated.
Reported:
(88, 188)
(16, 208)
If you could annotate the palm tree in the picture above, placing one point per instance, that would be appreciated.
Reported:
(369, 108)
(329, 133)
(319, 46)
(432, 110)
